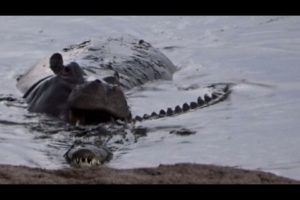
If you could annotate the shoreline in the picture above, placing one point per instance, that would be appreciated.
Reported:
(181, 173)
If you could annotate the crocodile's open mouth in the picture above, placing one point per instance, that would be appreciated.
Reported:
(95, 102)
(87, 155)
(85, 158)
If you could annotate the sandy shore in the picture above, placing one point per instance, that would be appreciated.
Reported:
(184, 173)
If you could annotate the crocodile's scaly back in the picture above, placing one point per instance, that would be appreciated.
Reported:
(218, 93)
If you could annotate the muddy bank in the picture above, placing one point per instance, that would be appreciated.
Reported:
(163, 174)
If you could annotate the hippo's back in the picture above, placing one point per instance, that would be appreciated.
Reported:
(135, 61)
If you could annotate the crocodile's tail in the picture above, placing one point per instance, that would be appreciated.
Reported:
(220, 93)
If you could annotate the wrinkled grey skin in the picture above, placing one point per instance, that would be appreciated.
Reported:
(124, 61)
(117, 65)
(67, 95)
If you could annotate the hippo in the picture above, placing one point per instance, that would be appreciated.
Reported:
(116, 65)
(68, 96)
(90, 88)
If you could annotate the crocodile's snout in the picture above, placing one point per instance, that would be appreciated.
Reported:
(87, 155)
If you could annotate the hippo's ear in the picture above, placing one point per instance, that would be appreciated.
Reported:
(56, 63)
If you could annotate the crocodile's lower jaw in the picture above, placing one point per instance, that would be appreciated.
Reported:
(85, 162)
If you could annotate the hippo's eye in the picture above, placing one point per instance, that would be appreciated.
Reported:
(110, 79)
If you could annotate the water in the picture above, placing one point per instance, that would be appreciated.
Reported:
(256, 128)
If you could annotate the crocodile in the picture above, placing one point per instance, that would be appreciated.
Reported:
(90, 88)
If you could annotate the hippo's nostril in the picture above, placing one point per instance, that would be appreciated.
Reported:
(67, 69)
(98, 81)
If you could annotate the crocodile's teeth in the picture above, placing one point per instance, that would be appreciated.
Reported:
(94, 162)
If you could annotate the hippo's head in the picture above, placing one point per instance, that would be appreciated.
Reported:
(94, 102)
(70, 96)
